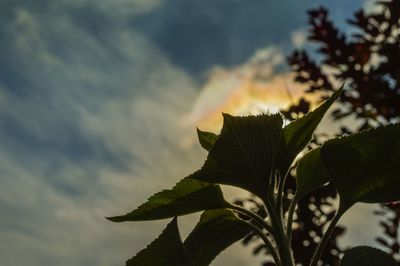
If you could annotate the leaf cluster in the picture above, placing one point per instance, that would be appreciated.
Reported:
(256, 153)
(367, 60)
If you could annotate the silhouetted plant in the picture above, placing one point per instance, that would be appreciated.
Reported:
(257, 153)
(368, 62)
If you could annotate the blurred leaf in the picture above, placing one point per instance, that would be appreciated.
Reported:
(311, 173)
(367, 256)
(295, 110)
(364, 167)
(206, 139)
(298, 134)
(216, 230)
(188, 196)
(166, 250)
(244, 154)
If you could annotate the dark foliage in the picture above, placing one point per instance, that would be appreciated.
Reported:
(390, 240)
(313, 214)
(368, 61)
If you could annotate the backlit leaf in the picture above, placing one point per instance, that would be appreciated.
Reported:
(188, 196)
(166, 250)
(367, 256)
(311, 173)
(298, 134)
(250, 149)
(364, 167)
(206, 139)
(245, 152)
(216, 230)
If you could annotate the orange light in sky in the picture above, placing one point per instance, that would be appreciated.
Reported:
(241, 92)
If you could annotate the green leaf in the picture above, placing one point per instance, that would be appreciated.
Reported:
(311, 173)
(245, 152)
(188, 196)
(298, 134)
(364, 167)
(250, 149)
(216, 230)
(166, 250)
(367, 256)
(206, 139)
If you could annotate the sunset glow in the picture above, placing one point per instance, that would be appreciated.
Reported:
(241, 91)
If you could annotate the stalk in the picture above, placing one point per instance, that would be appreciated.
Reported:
(289, 226)
(267, 242)
(325, 238)
(258, 219)
(281, 186)
(281, 242)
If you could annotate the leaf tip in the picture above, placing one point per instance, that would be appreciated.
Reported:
(226, 116)
(115, 219)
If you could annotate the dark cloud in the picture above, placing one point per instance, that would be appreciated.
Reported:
(199, 34)
(82, 122)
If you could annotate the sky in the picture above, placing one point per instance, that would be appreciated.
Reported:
(99, 100)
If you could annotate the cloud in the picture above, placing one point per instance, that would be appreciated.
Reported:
(85, 125)
(121, 7)
(299, 38)
(90, 121)
(227, 32)
(261, 84)
(223, 33)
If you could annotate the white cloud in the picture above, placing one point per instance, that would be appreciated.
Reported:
(45, 220)
(362, 226)
(120, 7)
(299, 38)
(117, 95)
(258, 85)
(371, 6)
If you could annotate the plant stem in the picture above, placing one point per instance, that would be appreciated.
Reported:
(325, 238)
(271, 187)
(276, 215)
(281, 186)
(289, 226)
(254, 216)
(281, 241)
(267, 242)
(276, 236)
